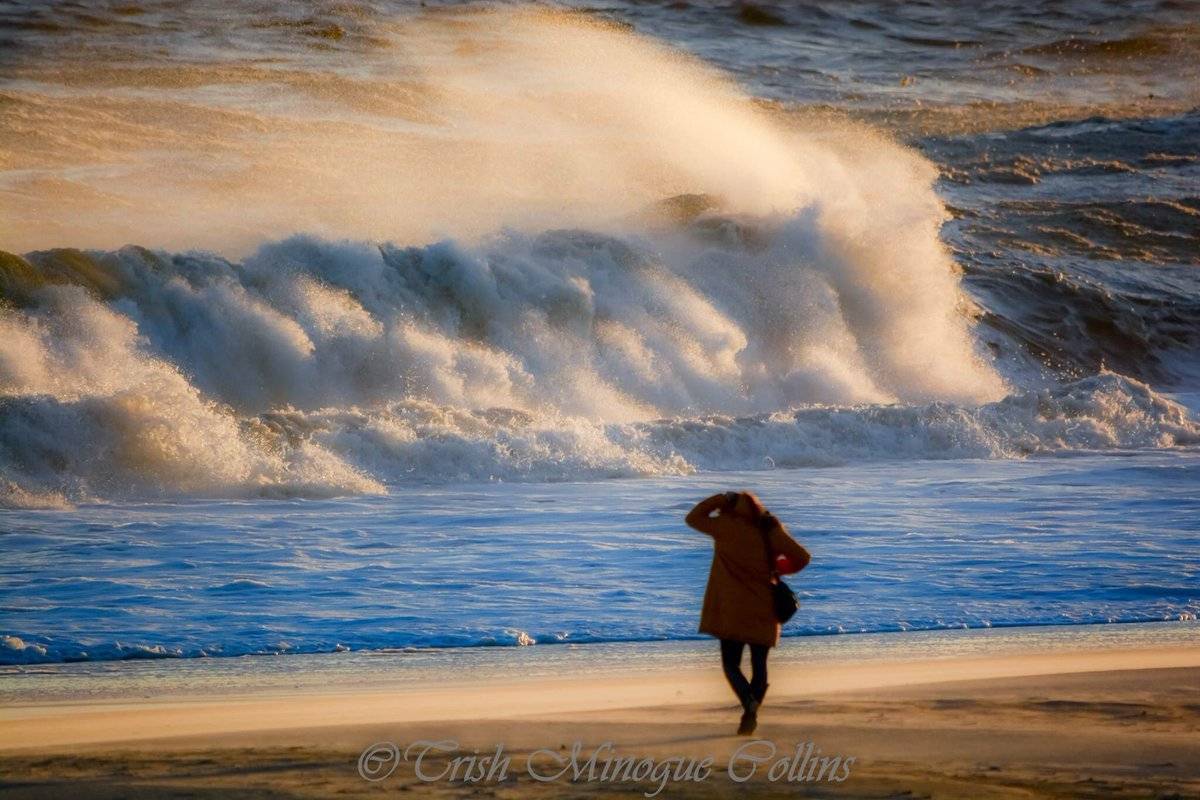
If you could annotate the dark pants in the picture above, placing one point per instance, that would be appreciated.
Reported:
(731, 662)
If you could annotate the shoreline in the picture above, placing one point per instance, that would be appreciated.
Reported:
(126, 703)
(203, 677)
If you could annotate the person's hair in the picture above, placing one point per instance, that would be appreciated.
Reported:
(759, 514)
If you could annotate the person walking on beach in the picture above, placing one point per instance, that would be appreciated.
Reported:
(739, 607)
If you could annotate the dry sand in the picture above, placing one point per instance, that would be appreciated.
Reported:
(1110, 723)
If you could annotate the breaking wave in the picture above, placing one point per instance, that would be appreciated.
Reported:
(317, 368)
(790, 304)
(333, 367)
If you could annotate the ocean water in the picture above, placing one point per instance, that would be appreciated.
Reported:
(896, 547)
(380, 325)
(411, 669)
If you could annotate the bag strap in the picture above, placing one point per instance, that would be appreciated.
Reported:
(767, 520)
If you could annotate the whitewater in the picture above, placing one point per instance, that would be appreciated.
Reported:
(274, 320)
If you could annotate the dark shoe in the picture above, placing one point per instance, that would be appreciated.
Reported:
(749, 719)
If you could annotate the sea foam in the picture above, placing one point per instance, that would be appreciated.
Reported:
(319, 368)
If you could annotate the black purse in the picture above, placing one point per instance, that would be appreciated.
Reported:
(782, 597)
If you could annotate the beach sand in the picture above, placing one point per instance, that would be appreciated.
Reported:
(1121, 722)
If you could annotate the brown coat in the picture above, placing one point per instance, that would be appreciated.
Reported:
(737, 602)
